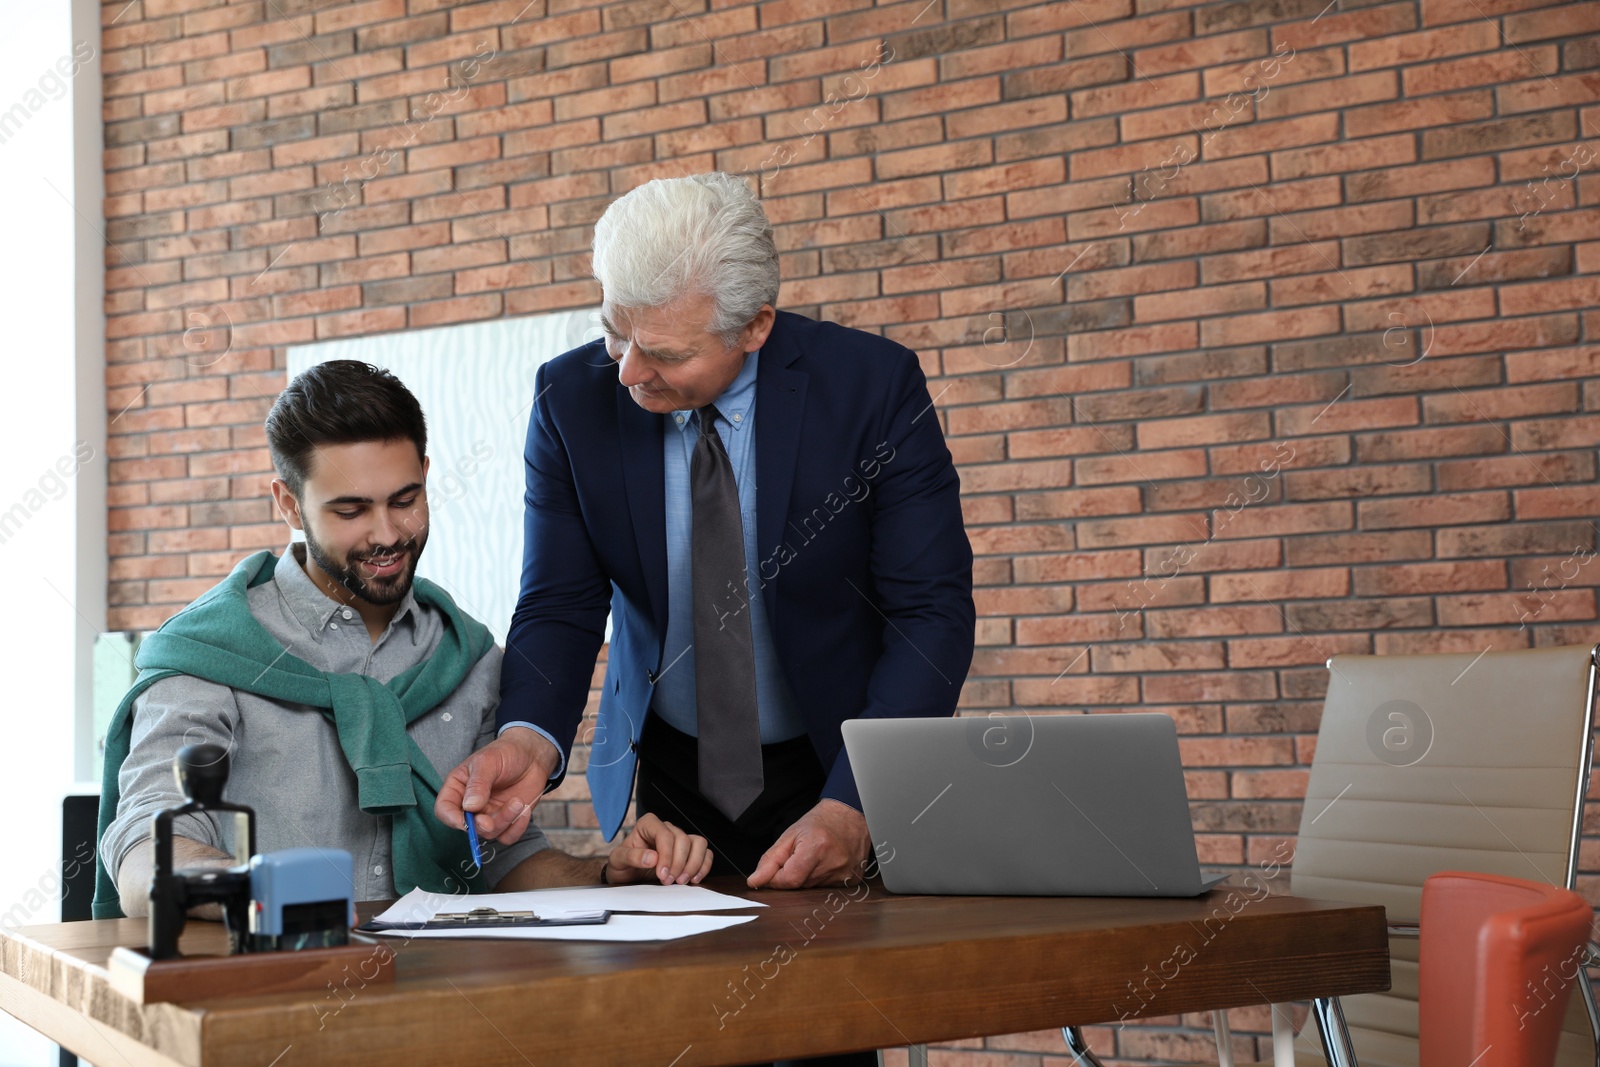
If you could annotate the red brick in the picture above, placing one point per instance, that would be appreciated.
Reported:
(1344, 156)
(1440, 509)
(1223, 685)
(1358, 482)
(1550, 295)
(1298, 650)
(1271, 136)
(1213, 621)
(1136, 95)
(1269, 326)
(1126, 34)
(1074, 503)
(1331, 27)
(1203, 430)
(1274, 586)
(1149, 656)
(1108, 344)
(1273, 263)
(1493, 135)
(1047, 474)
(1260, 77)
(1514, 539)
(1348, 548)
(1191, 303)
(1438, 12)
(1139, 530)
(1546, 468)
(1205, 52)
(1478, 609)
(1423, 113)
(1489, 69)
(1333, 93)
(1404, 49)
(1070, 441)
(1141, 467)
(1078, 566)
(1505, 334)
(1563, 20)
(1265, 521)
(1128, 600)
(1556, 502)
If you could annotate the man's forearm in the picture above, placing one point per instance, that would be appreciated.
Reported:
(550, 868)
(133, 879)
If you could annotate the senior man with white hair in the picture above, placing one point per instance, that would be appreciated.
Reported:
(766, 506)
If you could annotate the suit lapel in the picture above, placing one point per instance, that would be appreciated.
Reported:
(780, 407)
(642, 473)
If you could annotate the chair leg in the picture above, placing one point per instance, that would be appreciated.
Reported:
(916, 1055)
(1282, 1036)
(1079, 1047)
(1219, 1023)
(1586, 990)
(1336, 1045)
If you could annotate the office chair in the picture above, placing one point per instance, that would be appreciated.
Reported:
(1423, 764)
(1500, 958)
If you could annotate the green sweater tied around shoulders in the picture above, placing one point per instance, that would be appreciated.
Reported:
(217, 638)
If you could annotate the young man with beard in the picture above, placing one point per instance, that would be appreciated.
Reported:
(338, 682)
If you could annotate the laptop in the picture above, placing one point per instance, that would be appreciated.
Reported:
(1028, 805)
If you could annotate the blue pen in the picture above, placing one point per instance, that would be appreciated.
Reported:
(472, 839)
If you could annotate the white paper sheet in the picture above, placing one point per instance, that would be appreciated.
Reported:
(619, 928)
(656, 900)
(420, 905)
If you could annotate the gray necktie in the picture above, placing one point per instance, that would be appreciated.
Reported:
(724, 651)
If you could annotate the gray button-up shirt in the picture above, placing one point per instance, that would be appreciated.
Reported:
(285, 760)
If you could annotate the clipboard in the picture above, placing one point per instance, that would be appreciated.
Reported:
(487, 919)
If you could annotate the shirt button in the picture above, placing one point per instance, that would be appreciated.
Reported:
(679, 418)
(446, 716)
(736, 418)
(333, 626)
(347, 613)
(378, 869)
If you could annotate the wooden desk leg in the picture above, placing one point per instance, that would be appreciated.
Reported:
(1336, 1046)
(1079, 1048)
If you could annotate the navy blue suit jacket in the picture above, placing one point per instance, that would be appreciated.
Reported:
(865, 567)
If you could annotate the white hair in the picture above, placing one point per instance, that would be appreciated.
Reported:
(672, 237)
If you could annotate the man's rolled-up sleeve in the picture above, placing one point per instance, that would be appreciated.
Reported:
(170, 714)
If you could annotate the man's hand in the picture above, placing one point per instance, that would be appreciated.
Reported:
(826, 846)
(501, 782)
(676, 857)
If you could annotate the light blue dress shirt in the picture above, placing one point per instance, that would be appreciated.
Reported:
(674, 697)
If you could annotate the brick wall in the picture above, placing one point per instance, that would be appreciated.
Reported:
(1260, 330)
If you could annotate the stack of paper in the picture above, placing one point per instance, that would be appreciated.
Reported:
(639, 912)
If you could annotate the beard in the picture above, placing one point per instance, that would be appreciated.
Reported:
(355, 574)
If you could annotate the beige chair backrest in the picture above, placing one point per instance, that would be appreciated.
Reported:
(1472, 762)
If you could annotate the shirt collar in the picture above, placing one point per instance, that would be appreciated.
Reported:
(736, 400)
(316, 609)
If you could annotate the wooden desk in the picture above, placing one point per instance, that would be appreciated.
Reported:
(817, 972)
